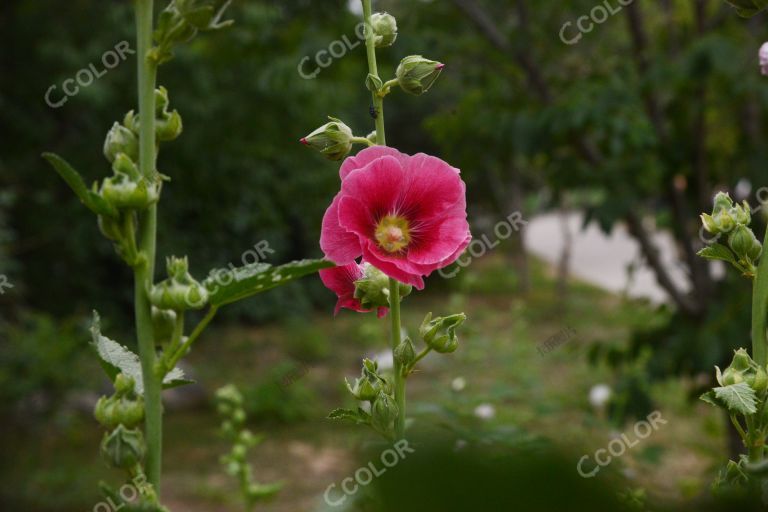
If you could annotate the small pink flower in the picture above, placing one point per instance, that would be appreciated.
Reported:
(341, 281)
(405, 215)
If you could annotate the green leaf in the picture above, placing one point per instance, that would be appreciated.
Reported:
(738, 398)
(88, 197)
(718, 252)
(358, 416)
(116, 358)
(711, 399)
(748, 8)
(228, 286)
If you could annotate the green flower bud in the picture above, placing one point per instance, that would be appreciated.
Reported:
(724, 221)
(760, 381)
(126, 189)
(364, 389)
(333, 139)
(169, 128)
(110, 227)
(405, 352)
(373, 289)
(384, 411)
(440, 333)
(203, 14)
(384, 29)
(123, 448)
(731, 376)
(709, 223)
(742, 213)
(229, 394)
(180, 291)
(239, 451)
(722, 201)
(416, 74)
(124, 385)
(121, 140)
(163, 322)
(113, 411)
(741, 361)
(744, 244)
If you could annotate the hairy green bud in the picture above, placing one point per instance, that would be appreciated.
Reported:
(384, 411)
(440, 333)
(333, 139)
(121, 140)
(415, 74)
(180, 291)
(123, 448)
(384, 29)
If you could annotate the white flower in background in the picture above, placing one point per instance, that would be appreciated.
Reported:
(460, 445)
(485, 411)
(600, 395)
(458, 384)
(763, 57)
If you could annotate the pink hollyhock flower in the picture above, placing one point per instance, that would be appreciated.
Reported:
(341, 281)
(405, 215)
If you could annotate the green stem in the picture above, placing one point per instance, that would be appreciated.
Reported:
(419, 357)
(760, 308)
(184, 348)
(370, 47)
(394, 311)
(144, 273)
(362, 140)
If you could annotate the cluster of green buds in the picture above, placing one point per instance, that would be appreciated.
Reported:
(123, 444)
(180, 291)
(742, 392)
(732, 221)
(229, 405)
(371, 388)
(372, 290)
(440, 333)
(128, 191)
(182, 20)
(415, 75)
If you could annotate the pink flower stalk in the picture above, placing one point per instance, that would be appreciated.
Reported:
(405, 215)
(341, 281)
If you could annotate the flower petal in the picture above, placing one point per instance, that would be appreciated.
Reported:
(367, 156)
(338, 244)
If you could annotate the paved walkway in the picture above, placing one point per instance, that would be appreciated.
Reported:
(604, 260)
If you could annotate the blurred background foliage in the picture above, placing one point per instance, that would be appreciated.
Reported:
(637, 124)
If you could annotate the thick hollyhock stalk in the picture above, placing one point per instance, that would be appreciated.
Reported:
(144, 273)
(394, 286)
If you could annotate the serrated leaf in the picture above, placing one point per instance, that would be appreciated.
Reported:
(717, 252)
(89, 198)
(116, 358)
(710, 398)
(738, 398)
(358, 416)
(227, 286)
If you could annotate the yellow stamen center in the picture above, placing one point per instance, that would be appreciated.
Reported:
(392, 233)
